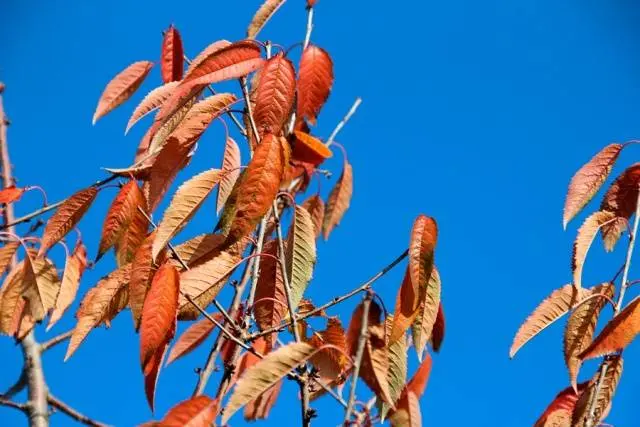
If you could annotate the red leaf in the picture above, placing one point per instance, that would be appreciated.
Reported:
(621, 199)
(121, 87)
(308, 149)
(270, 304)
(11, 194)
(199, 411)
(560, 410)
(437, 335)
(192, 338)
(314, 82)
(225, 57)
(151, 371)
(231, 163)
(274, 95)
(142, 271)
(418, 383)
(339, 200)
(172, 56)
(151, 102)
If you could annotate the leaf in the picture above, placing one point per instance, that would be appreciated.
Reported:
(270, 303)
(330, 362)
(617, 334)
(601, 395)
(265, 374)
(559, 411)
(375, 364)
(339, 200)
(158, 324)
(258, 187)
(151, 372)
(551, 309)
(418, 382)
(192, 338)
(158, 135)
(581, 326)
(151, 102)
(7, 252)
(231, 163)
(424, 324)
(121, 87)
(314, 82)
(586, 233)
(11, 194)
(172, 62)
(437, 334)
(300, 252)
(274, 95)
(206, 53)
(132, 236)
(96, 306)
(355, 325)
(73, 270)
(142, 271)
(185, 203)
(12, 304)
(621, 199)
(408, 412)
(308, 149)
(315, 206)
(262, 16)
(121, 213)
(200, 248)
(397, 374)
(198, 411)
(588, 180)
(66, 217)
(259, 408)
(227, 56)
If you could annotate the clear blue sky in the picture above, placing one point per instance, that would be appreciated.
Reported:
(476, 113)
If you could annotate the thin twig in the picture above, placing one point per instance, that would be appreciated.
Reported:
(359, 353)
(47, 345)
(63, 407)
(10, 403)
(344, 121)
(307, 35)
(247, 100)
(17, 387)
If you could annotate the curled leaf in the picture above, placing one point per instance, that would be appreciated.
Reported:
(621, 198)
(300, 252)
(151, 102)
(262, 16)
(7, 252)
(172, 63)
(598, 395)
(330, 362)
(73, 270)
(560, 410)
(586, 233)
(308, 149)
(315, 206)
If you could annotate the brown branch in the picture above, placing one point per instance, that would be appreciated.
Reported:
(63, 407)
(17, 387)
(47, 345)
(10, 403)
(359, 353)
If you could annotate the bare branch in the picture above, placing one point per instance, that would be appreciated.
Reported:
(55, 341)
(10, 403)
(63, 407)
(344, 121)
(17, 387)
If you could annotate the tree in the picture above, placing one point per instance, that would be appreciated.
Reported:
(588, 403)
(263, 247)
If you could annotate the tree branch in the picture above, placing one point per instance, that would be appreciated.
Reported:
(63, 407)
(10, 403)
(344, 121)
(359, 353)
(47, 345)
(17, 387)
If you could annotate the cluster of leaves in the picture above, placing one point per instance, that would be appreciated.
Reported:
(162, 284)
(589, 402)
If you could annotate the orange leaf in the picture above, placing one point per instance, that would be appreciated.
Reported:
(73, 270)
(586, 233)
(588, 180)
(142, 271)
(121, 213)
(259, 408)
(225, 57)
(418, 382)
(353, 331)
(621, 199)
(408, 412)
(258, 187)
(375, 364)
(158, 323)
(617, 334)
(595, 400)
(262, 16)
(66, 217)
(339, 200)
(314, 82)
(559, 411)
(315, 206)
(270, 304)
(11, 194)
(151, 102)
(231, 162)
(274, 95)
(424, 324)
(192, 337)
(551, 309)
(132, 237)
(198, 411)
(330, 362)
(437, 335)
(200, 248)
(308, 149)
(151, 372)
(121, 87)
(7, 252)
(206, 54)
(172, 63)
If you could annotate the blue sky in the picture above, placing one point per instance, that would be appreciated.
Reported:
(476, 113)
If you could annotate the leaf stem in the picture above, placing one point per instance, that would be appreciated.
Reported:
(344, 121)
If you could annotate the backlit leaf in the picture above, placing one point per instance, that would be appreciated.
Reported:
(374, 369)
(270, 303)
(437, 334)
(142, 271)
(586, 233)
(601, 395)
(200, 248)
(621, 199)
(397, 374)
(172, 59)
(151, 102)
(198, 411)
(339, 200)
(121, 87)
(408, 412)
(11, 194)
(330, 362)
(132, 236)
(300, 252)
(7, 252)
(588, 180)
(151, 372)
(274, 95)
(225, 57)
(192, 337)
(308, 149)
(315, 206)
(231, 162)
(206, 53)
(314, 82)
(266, 11)
(265, 374)
(185, 203)
(424, 324)
(551, 309)
(418, 382)
(73, 270)
(560, 410)
(259, 408)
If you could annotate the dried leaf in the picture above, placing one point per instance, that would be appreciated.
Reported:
(586, 233)
(259, 408)
(617, 334)
(418, 382)
(227, 57)
(601, 395)
(270, 304)
(621, 199)
(314, 82)
(11, 194)
(185, 203)
(120, 215)
(408, 412)
(7, 252)
(198, 411)
(375, 364)
(588, 180)
(397, 374)
(559, 411)
(274, 95)
(300, 252)
(172, 58)
(265, 374)
(151, 371)
(231, 163)
(73, 270)
(355, 325)
(315, 206)
(339, 200)
(581, 326)
(151, 102)
(132, 236)
(192, 337)
(424, 324)
(121, 87)
(330, 362)
(551, 309)
(200, 248)
(97, 306)
(66, 217)
(262, 16)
